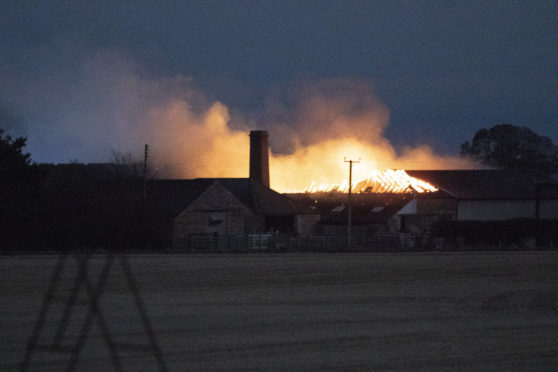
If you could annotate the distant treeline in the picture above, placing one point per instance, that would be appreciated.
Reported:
(50, 207)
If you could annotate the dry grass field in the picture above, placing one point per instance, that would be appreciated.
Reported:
(402, 311)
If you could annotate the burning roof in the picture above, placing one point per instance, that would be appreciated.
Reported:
(388, 181)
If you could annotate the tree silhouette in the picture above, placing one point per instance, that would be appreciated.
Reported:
(512, 147)
(12, 157)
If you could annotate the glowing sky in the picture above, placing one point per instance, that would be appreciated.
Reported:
(83, 78)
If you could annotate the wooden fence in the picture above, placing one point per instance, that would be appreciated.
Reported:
(311, 243)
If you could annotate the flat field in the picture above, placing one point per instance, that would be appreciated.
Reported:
(421, 311)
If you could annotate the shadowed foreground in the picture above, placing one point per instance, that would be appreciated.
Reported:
(305, 311)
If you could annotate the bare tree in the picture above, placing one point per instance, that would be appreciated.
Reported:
(125, 166)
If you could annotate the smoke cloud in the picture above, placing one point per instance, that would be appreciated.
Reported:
(105, 103)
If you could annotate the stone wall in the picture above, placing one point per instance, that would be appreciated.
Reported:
(196, 218)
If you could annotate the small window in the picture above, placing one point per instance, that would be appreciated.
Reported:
(215, 219)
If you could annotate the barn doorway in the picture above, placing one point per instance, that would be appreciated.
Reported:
(280, 224)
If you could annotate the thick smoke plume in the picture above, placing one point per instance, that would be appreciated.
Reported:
(107, 104)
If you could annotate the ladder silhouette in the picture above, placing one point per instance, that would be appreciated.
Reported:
(94, 310)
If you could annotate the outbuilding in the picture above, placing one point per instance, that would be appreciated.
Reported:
(479, 195)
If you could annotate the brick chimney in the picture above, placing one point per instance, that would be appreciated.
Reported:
(259, 157)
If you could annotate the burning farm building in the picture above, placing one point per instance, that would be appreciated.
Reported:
(374, 203)
(392, 202)
(391, 181)
(414, 201)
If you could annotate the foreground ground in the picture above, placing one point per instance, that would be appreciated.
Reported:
(426, 311)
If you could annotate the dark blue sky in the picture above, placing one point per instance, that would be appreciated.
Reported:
(443, 68)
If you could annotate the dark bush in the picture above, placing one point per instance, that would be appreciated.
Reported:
(513, 232)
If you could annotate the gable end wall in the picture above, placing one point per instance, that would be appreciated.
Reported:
(216, 198)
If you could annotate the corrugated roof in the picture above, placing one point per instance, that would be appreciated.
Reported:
(488, 183)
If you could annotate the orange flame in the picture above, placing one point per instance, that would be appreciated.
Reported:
(388, 181)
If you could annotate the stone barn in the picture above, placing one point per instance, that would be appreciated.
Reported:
(228, 206)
